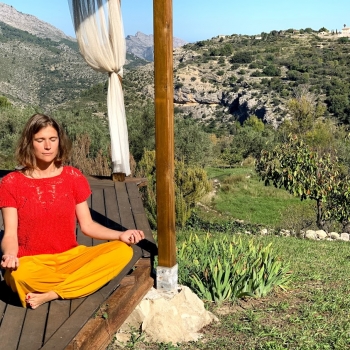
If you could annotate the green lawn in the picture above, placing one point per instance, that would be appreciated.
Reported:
(312, 314)
(244, 197)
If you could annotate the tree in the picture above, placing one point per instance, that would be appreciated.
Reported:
(304, 111)
(191, 184)
(192, 144)
(306, 174)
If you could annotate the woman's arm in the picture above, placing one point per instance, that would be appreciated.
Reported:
(93, 229)
(9, 243)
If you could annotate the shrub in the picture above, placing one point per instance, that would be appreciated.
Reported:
(225, 268)
(191, 184)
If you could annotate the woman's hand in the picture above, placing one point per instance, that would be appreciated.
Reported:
(9, 262)
(131, 236)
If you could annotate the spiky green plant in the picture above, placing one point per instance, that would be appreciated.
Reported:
(225, 268)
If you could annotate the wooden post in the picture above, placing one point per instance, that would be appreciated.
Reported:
(164, 112)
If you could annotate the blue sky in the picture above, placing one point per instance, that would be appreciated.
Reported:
(203, 19)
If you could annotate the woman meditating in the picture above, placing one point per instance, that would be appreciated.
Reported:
(40, 204)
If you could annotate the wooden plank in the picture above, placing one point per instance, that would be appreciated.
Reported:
(143, 224)
(58, 314)
(74, 304)
(112, 210)
(97, 333)
(148, 245)
(133, 190)
(98, 211)
(125, 212)
(2, 310)
(81, 238)
(62, 337)
(34, 328)
(11, 327)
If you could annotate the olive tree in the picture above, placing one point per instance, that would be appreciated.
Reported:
(308, 175)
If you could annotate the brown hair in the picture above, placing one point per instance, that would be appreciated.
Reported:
(25, 151)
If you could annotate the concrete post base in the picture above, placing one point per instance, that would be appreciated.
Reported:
(167, 278)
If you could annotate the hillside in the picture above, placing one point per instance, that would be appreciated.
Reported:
(40, 65)
(237, 76)
(225, 79)
(217, 81)
(41, 72)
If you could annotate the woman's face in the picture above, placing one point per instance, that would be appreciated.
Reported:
(45, 144)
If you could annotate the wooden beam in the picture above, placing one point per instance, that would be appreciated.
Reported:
(164, 113)
(98, 332)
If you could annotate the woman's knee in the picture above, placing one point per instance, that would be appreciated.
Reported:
(19, 276)
(122, 251)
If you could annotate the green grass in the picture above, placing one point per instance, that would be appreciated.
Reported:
(312, 314)
(244, 197)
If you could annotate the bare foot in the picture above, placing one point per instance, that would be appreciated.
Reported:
(36, 299)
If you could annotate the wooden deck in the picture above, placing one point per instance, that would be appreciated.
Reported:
(87, 323)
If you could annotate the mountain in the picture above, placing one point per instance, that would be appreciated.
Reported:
(141, 45)
(40, 65)
(10, 16)
(229, 78)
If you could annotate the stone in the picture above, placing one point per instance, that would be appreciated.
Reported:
(169, 317)
(263, 232)
(285, 233)
(345, 236)
(310, 234)
(321, 234)
(334, 235)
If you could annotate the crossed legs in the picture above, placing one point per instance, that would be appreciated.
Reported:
(75, 273)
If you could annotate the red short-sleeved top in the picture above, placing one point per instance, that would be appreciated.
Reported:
(46, 209)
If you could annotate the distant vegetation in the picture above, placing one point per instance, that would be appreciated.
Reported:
(305, 78)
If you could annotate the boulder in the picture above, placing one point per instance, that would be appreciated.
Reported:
(311, 234)
(345, 236)
(334, 235)
(168, 317)
(321, 234)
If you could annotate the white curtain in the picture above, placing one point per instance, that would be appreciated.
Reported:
(100, 34)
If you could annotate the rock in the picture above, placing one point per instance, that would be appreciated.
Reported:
(310, 234)
(285, 233)
(169, 317)
(345, 236)
(334, 235)
(321, 234)
(263, 232)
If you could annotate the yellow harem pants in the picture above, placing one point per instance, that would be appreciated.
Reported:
(75, 273)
